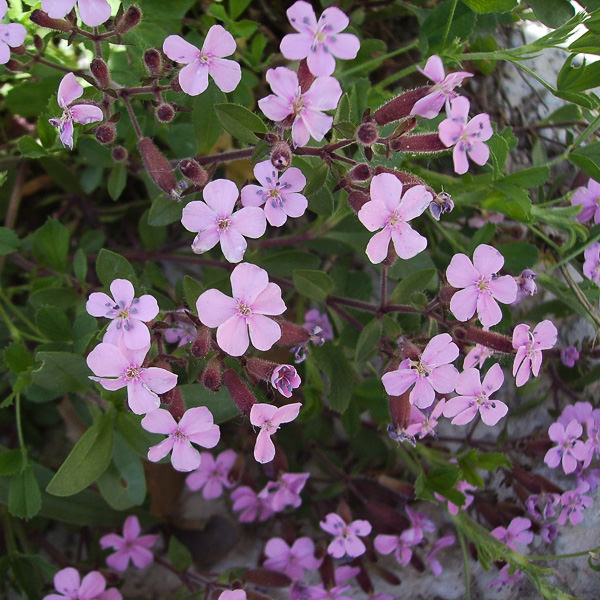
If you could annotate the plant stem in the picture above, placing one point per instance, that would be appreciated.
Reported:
(379, 59)
(465, 553)
(449, 22)
(19, 424)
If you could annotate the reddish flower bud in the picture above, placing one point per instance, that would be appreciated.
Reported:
(153, 62)
(489, 339)
(99, 70)
(18, 50)
(260, 369)
(281, 155)
(244, 399)
(400, 106)
(203, 343)
(39, 17)
(367, 134)
(174, 401)
(106, 132)
(400, 410)
(305, 77)
(175, 84)
(270, 138)
(212, 377)
(427, 142)
(408, 350)
(357, 199)
(129, 20)
(119, 154)
(165, 112)
(14, 65)
(157, 165)
(445, 295)
(391, 257)
(38, 42)
(292, 334)
(360, 172)
(193, 171)
(408, 180)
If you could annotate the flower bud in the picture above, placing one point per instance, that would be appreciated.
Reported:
(153, 62)
(284, 379)
(360, 172)
(427, 142)
(305, 77)
(211, 377)
(281, 155)
(357, 199)
(193, 171)
(442, 203)
(391, 257)
(260, 369)
(407, 179)
(18, 50)
(367, 134)
(106, 132)
(408, 350)
(38, 42)
(244, 399)
(203, 343)
(99, 70)
(39, 17)
(157, 165)
(175, 84)
(400, 106)
(292, 334)
(119, 154)
(489, 339)
(174, 401)
(165, 112)
(129, 20)
(14, 65)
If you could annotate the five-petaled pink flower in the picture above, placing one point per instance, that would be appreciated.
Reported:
(215, 221)
(11, 35)
(431, 373)
(250, 505)
(209, 60)
(434, 563)
(291, 560)
(589, 199)
(69, 90)
(285, 491)
(128, 314)
(129, 546)
(284, 379)
(253, 298)
(318, 41)
(70, 586)
(117, 366)
(269, 418)
(442, 90)
(467, 138)
(213, 474)
(529, 348)
(196, 426)
(92, 12)
(569, 448)
(482, 286)
(591, 264)
(305, 109)
(516, 535)
(278, 194)
(400, 545)
(390, 211)
(346, 536)
(475, 397)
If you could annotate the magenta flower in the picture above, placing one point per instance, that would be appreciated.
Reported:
(193, 78)
(516, 535)
(304, 109)
(400, 545)
(477, 356)
(253, 298)
(129, 546)
(212, 475)
(291, 560)
(529, 348)
(278, 194)
(11, 35)
(569, 448)
(69, 90)
(128, 314)
(318, 42)
(443, 89)
(434, 563)
(431, 373)
(591, 264)
(196, 426)
(318, 324)
(215, 221)
(92, 12)
(580, 411)
(346, 536)
(467, 138)
(589, 200)
(117, 366)
(284, 379)
(574, 503)
(250, 506)
(390, 211)
(284, 492)
(475, 397)
(569, 355)
(70, 586)
(269, 418)
(483, 288)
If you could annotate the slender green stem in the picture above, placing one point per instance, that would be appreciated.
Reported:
(20, 425)
(589, 130)
(465, 553)
(575, 253)
(397, 75)
(379, 59)
(561, 556)
(19, 314)
(581, 296)
(14, 332)
(449, 22)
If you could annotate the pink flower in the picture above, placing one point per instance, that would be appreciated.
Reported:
(400, 545)
(591, 264)
(250, 505)
(213, 474)
(422, 425)
(574, 503)
(284, 379)
(477, 356)
(475, 397)
(526, 285)
(589, 200)
(569, 355)
(305, 109)
(482, 286)
(516, 535)
(11, 35)
(291, 560)
(467, 138)
(580, 411)
(320, 41)
(569, 448)
(70, 586)
(92, 12)
(443, 89)
(529, 348)
(284, 492)
(182, 330)
(130, 546)
(390, 211)
(506, 578)
(318, 324)
(215, 221)
(69, 90)
(279, 195)
(196, 426)
(117, 366)
(253, 298)
(434, 563)
(128, 314)
(209, 60)
(346, 536)
(233, 595)
(431, 373)
(269, 418)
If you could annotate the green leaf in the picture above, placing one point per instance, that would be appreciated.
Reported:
(51, 244)
(62, 371)
(88, 459)
(179, 555)
(152, 236)
(315, 179)
(578, 79)
(84, 329)
(53, 323)
(552, 13)
(9, 241)
(284, 262)
(342, 378)
(587, 158)
(528, 178)
(164, 211)
(204, 118)
(237, 7)
(191, 290)
(11, 461)
(240, 122)
(17, 358)
(368, 340)
(111, 266)
(488, 6)
(518, 256)
(313, 284)
(24, 496)
(128, 425)
(80, 265)
(510, 200)
(117, 181)
(490, 461)
(432, 35)
(29, 148)
(219, 403)
(415, 281)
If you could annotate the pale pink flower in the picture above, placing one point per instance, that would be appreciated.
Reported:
(529, 348)
(569, 355)
(390, 211)
(467, 138)
(400, 545)
(431, 373)
(117, 366)
(589, 199)
(92, 12)
(526, 285)
(506, 578)
(574, 502)
(195, 426)
(434, 563)
(182, 330)
(69, 90)
(269, 418)
(253, 298)
(284, 492)
(215, 221)
(475, 397)
(318, 324)
(193, 78)
(477, 356)
(233, 595)
(569, 448)
(70, 586)
(580, 411)
(304, 108)
(284, 379)
(213, 474)
(128, 314)
(129, 547)
(278, 194)
(516, 535)
(483, 288)
(291, 560)
(441, 91)
(11, 35)
(420, 523)
(422, 425)
(250, 506)
(346, 540)
(318, 41)
(591, 264)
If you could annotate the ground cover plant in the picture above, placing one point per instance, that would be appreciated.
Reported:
(308, 264)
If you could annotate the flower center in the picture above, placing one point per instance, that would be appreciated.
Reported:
(223, 224)
(244, 309)
(483, 285)
(179, 435)
(132, 372)
(421, 369)
(123, 314)
(394, 219)
(298, 103)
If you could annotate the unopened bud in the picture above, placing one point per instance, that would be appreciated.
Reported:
(174, 401)
(203, 343)
(211, 377)
(193, 171)
(129, 20)
(408, 350)
(153, 62)
(400, 107)
(260, 369)
(175, 84)
(305, 77)
(427, 142)
(357, 199)
(38, 42)
(119, 154)
(400, 410)
(489, 339)
(292, 334)
(39, 17)
(442, 203)
(165, 112)
(14, 65)
(367, 134)
(281, 155)
(18, 50)
(446, 294)
(157, 165)
(100, 72)
(391, 256)
(407, 179)
(360, 172)
(106, 132)
(244, 399)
